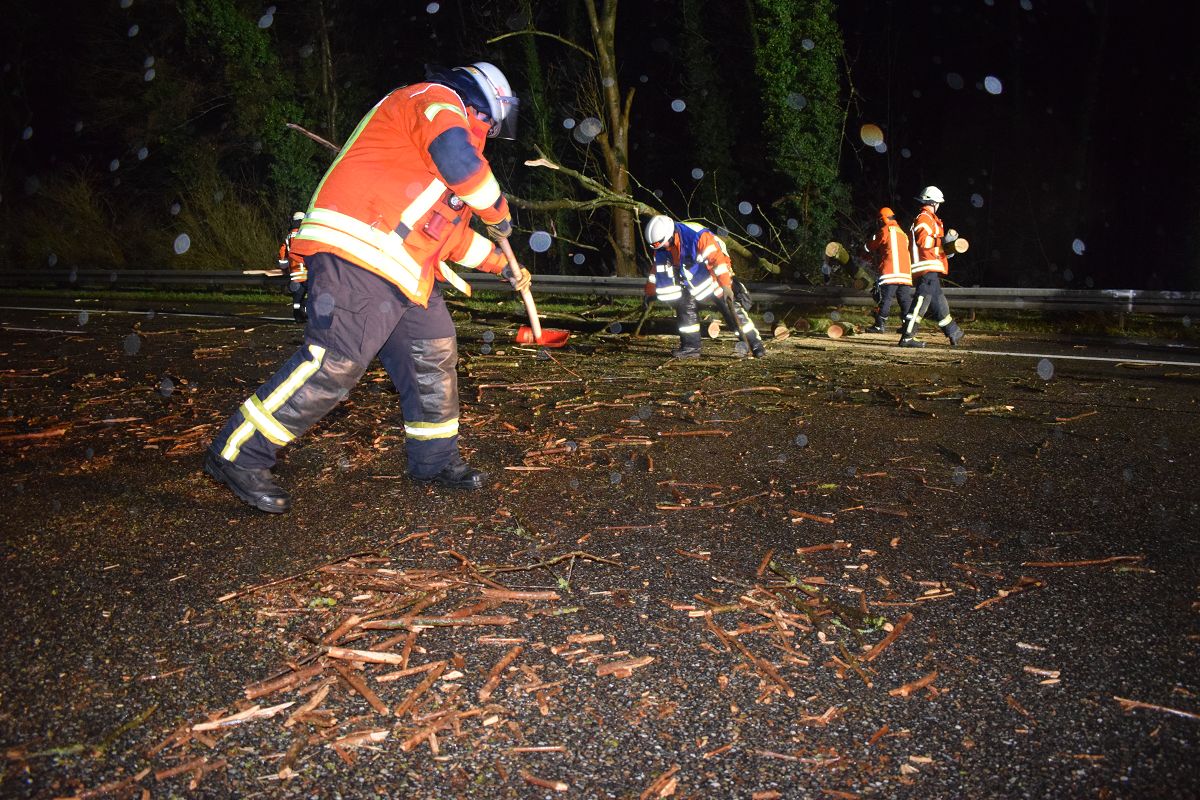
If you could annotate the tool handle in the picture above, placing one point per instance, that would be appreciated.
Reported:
(535, 324)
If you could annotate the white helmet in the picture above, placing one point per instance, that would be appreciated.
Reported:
(502, 104)
(659, 231)
(483, 87)
(931, 194)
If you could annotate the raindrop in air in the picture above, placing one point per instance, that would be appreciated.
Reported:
(739, 349)
(82, 319)
(1045, 369)
(266, 20)
(306, 51)
(1027, 5)
(954, 80)
(114, 165)
(133, 31)
(591, 127)
(797, 100)
(801, 440)
(614, 327)
(871, 135)
(614, 478)
(644, 78)
(1187, 322)
(126, 3)
(142, 153)
(1127, 474)
(977, 200)
(149, 76)
(1078, 247)
(51, 260)
(835, 316)
(678, 105)
(768, 317)
(148, 63)
(753, 229)
(323, 305)
(993, 85)
(579, 258)
(79, 126)
(485, 349)
(905, 152)
(433, 8)
(27, 134)
(568, 123)
(540, 241)
(959, 475)
(825, 269)
(808, 44)
(182, 243)
(1068, 275)
(488, 336)
(543, 354)
(571, 446)
(697, 173)
(744, 207)
(881, 147)
(167, 387)
(175, 209)
(132, 344)
(793, 223)
(645, 412)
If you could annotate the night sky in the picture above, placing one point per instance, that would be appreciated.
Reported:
(1062, 133)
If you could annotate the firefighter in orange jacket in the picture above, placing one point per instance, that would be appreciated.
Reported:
(890, 246)
(391, 211)
(292, 265)
(691, 266)
(928, 265)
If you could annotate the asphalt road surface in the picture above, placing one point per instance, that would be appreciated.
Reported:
(846, 570)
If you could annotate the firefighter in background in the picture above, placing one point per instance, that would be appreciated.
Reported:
(890, 246)
(691, 265)
(293, 266)
(393, 208)
(929, 264)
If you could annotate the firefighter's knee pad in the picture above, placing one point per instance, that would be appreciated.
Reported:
(314, 396)
(434, 362)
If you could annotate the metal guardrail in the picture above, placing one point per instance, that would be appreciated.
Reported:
(1135, 301)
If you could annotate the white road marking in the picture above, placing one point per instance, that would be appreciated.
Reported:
(1062, 357)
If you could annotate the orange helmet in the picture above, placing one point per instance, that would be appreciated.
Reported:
(886, 214)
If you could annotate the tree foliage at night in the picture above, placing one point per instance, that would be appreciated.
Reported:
(125, 124)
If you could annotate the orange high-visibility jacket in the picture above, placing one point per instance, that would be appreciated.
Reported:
(292, 263)
(927, 254)
(890, 245)
(399, 197)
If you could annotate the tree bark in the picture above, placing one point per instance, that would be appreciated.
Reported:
(614, 139)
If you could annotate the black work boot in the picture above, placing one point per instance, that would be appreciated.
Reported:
(458, 474)
(953, 333)
(255, 487)
(757, 350)
(911, 343)
(879, 326)
(686, 352)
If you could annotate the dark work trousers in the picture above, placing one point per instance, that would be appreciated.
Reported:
(889, 292)
(353, 316)
(688, 321)
(929, 302)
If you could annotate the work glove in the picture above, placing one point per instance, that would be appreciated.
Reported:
(522, 280)
(500, 230)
